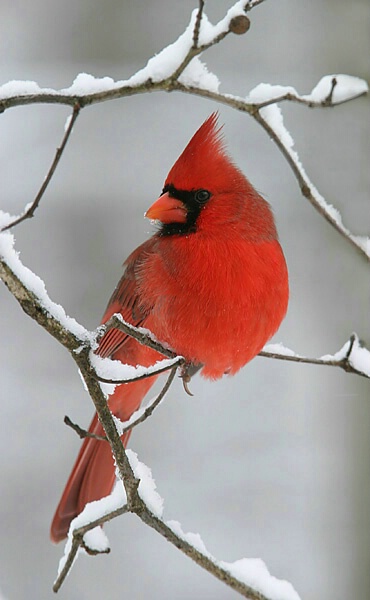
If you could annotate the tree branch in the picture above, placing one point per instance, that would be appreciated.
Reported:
(343, 362)
(124, 426)
(309, 191)
(197, 24)
(83, 433)
(32, 208)
(33, 306)
(139, 334)
(77, 542)
(172, 532)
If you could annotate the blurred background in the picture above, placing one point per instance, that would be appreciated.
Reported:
(273, 463)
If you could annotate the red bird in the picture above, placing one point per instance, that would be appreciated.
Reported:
(212, 283)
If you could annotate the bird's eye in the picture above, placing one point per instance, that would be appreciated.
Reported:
(202, 196)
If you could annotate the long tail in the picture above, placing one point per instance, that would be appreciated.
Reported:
(93, 474)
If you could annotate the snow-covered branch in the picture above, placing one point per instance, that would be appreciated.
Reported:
(331, 90)
(166, 67)
(353, 357)
(247, 576)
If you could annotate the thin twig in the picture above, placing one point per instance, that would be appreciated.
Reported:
(252, 4)
(205, 562)
(77, 541)
(329, 99)
(28, 214)
(307, 189)
(196, 49)
(343, 363)
(83, 433)
(117, 322)
(291, 97)
(198, 21)
(150, 409)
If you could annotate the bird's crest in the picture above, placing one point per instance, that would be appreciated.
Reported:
(204, 162)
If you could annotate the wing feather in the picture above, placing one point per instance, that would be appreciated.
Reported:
(126, 300)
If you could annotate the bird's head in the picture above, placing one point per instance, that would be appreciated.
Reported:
(204, 189)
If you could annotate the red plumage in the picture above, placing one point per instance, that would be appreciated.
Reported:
(212, 283)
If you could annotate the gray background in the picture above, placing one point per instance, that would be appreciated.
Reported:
(272, 463)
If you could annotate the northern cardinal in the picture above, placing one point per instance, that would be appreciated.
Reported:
(211, 283)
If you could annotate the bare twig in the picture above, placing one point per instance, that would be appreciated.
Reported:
(151, 408)
(77, 542)
(197, 48)
(197, 24)
(83, 433)
(31, 210)
(201, 559)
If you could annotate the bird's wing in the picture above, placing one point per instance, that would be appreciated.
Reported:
(126, 301)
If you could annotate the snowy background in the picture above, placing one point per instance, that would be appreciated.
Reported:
(273, 463)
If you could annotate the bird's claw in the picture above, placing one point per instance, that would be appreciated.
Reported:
(186, 378)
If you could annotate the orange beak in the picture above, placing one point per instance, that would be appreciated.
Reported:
(167, 210)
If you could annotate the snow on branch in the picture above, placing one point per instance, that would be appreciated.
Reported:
(248, 576)
(329, 91)
(114, 372)
(30, 291)
(353, 357)
(271, 119)
(168, 65)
